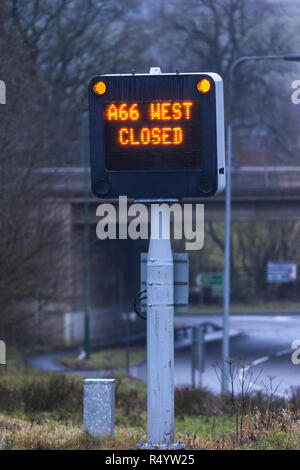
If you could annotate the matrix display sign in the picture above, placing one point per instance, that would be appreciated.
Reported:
(138, 134)
(157, 135)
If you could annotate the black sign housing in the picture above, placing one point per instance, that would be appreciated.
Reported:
(157, 136)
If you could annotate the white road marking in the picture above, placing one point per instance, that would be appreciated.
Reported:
(284, 352)
(260, 360)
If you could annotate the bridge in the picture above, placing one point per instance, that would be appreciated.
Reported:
(258, 194)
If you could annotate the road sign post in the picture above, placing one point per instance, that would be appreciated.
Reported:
(155, 138)
(86, 248)
(160, 332)
(214, 281)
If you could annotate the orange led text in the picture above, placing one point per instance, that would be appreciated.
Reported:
(158, 111)
(150, 136)
(122, 112)
(167, 111)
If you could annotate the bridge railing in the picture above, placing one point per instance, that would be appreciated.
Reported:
(266, 178)
(252, 180)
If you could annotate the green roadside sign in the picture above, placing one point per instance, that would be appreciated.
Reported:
(213, 280)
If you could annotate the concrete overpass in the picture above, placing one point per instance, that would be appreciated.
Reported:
(258, 193)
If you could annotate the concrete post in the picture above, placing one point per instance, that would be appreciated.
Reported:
(99, 406)
(160, 330)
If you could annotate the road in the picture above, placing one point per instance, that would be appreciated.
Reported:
(264, 342)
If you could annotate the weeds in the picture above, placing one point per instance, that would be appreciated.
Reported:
(254, 411)
(197, 401)
(44, 411)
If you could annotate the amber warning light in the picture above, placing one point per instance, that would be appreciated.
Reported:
(155, 112)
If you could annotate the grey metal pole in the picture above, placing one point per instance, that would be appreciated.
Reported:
(225, 342)
(160, 330)
(86, 250)
(194, 352)
(227, 251)
(201, 353)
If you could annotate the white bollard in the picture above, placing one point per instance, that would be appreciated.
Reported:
(99, 406)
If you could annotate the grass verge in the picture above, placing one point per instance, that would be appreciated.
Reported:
(40, 410)
(23, 433)
(105, 360)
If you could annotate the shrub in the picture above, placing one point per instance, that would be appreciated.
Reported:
(57, 392)
(195, 401)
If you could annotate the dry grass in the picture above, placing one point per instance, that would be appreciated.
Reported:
(18, 433)
(44, 411)
(282, 434)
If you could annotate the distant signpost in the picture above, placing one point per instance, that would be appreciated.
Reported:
(281, 271)
(213, 280)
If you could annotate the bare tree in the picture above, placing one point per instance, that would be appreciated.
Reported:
(70, 41)
(209, 35)
(253, 245)
(33, 258)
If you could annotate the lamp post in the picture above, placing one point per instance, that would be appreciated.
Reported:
(226, 304)
(86, 247)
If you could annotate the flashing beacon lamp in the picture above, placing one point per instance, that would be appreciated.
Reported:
(203, 85)
(99, 88)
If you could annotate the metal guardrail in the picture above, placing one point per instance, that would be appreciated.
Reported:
(266, 177)
(184, 332)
